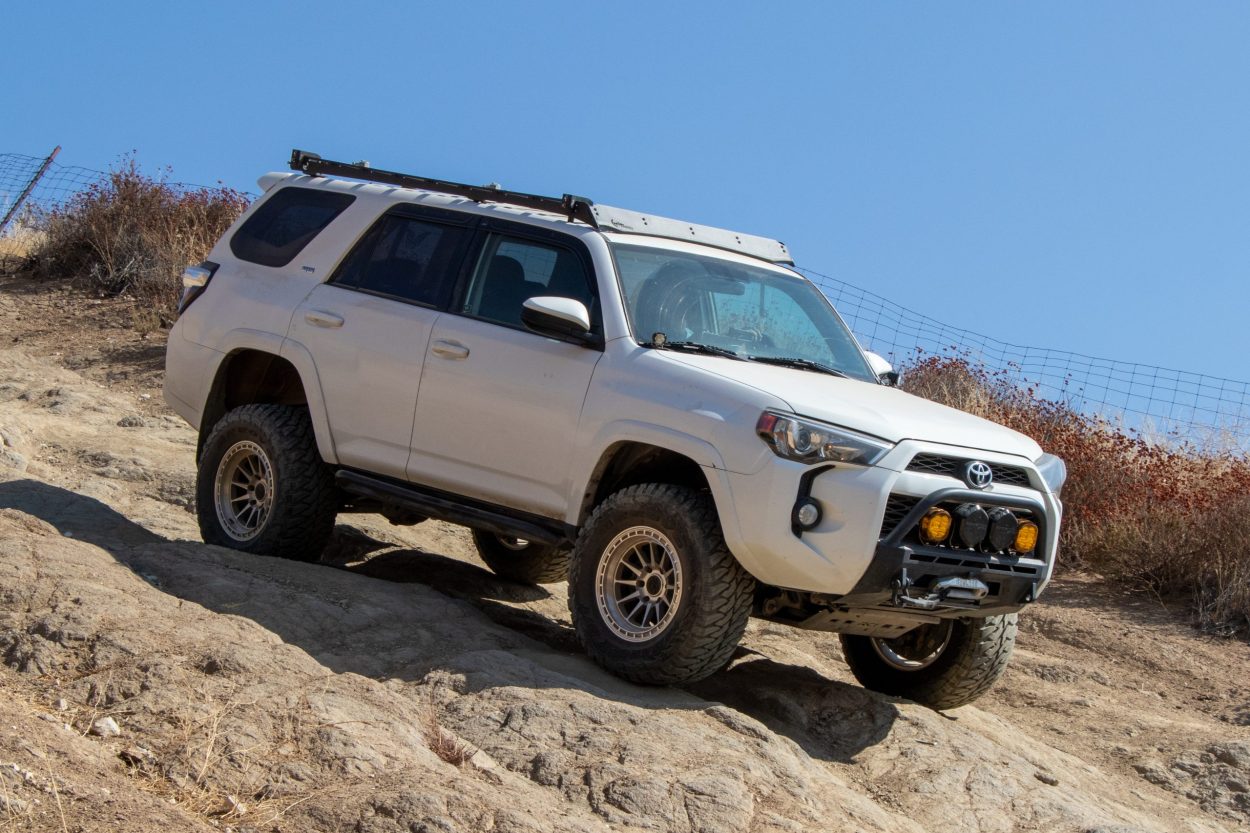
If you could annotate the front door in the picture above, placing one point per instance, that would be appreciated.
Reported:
(499, 405)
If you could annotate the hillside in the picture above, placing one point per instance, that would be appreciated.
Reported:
(150, 681)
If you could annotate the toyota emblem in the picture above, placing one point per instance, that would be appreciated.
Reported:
(978, 475)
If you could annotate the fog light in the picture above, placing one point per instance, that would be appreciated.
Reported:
(1026, 537)
(974, 522)
(1003, 528)
(935, 526)
(807, 513)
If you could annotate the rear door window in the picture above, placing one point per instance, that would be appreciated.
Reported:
(407, 258)
(285, 224)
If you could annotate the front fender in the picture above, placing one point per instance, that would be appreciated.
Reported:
(696, 448)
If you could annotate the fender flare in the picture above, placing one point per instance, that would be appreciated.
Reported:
(695, 448)
(237, 341)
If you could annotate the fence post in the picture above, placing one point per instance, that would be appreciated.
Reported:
(30, 186)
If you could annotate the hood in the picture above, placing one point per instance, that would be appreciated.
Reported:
(873, 409)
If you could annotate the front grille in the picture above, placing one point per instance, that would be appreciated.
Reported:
(896, 508)
(949, 467)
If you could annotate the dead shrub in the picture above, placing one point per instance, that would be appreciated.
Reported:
(443, 743)
(1159, 515)
(132, 233)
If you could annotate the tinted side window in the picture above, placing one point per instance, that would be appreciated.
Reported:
(405, 258)
(285, 224)
(512, 270)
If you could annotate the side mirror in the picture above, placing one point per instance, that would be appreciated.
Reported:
(883, 369)
(562, 318)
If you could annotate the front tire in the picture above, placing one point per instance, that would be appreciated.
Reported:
(521, 560)
(656, 596)
(262, 486)
(942, 666)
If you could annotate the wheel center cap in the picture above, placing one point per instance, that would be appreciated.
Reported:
(653, 585)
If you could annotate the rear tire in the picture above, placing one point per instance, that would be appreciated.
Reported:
(520, 560)
(942, 666)
(262, 486)
(655, 594)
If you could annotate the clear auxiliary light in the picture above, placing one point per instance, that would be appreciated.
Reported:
(815, 442)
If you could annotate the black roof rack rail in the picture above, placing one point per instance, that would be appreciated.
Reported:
(576, 208)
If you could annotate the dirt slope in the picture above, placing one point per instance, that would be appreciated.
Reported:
(148, 681)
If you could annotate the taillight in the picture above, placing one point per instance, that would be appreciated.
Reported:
(194, 281)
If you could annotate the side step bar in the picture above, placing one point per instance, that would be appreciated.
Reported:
(445, 507)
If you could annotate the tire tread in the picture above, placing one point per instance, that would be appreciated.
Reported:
(712, 632)
(303, 516)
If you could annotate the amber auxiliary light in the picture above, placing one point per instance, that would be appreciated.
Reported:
(1026, 537)
(935, 526)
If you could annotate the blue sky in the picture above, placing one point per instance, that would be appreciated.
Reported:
(1066, 174)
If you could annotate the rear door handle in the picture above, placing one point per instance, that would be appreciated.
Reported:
(450, 349)
(323, 319)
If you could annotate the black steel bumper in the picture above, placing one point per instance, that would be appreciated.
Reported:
(906, 575)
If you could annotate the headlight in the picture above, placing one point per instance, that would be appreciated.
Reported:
(815, 442)
(1053, 471)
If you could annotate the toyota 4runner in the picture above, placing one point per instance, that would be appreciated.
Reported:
(661, 413)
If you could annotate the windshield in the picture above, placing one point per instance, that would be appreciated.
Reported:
(754, 312)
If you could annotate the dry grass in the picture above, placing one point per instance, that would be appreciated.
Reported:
(1163, 516)
(133, 233)
(19, 243)
(443, 743)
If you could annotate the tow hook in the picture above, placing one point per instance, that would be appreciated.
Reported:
(951, 588)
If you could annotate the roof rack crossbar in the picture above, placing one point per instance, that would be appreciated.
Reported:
(576, 208)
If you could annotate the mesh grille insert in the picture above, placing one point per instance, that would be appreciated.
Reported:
(950, 466)
(896, 508)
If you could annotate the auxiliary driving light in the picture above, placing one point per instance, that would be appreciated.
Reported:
(1003, 528)
(935, 526)
(974, 522)
(1026, 537)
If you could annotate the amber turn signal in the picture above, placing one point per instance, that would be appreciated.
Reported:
(1026, 537)
(935, 526)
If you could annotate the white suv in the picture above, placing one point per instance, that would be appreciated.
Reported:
(659, 412)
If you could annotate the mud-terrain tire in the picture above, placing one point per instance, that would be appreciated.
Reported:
(523, 561)
(263, 461)
(669, 539)
(969, 663)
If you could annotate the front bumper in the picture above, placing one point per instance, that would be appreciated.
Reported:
(847, 555)
(913, 576)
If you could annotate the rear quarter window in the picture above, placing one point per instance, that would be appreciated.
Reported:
(285, 224)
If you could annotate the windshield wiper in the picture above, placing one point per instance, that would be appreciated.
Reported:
(696, 347)
(801, 364)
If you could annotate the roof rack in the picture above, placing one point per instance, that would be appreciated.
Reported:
(600, 217)
(577, 208)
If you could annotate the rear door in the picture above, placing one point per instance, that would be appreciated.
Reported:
(499, 404)
(369, 326)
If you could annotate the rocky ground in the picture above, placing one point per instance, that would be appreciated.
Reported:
(148, 681)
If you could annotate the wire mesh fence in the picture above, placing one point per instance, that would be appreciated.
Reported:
(1158, 403)
(1162, 404)
(55, 188)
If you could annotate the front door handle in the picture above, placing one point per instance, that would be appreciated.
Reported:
(450, 349)
(323, 319)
